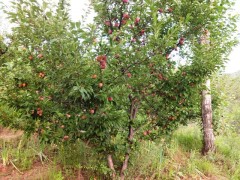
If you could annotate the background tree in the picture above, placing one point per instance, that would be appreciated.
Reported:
(207, 112)
(115, 82)
(3, 47)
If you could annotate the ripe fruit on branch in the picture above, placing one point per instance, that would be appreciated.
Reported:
(41, 98)
(137, 20)
(30, 57)
(133, 40)
(129, 75)
(83, 117)
(160, 10)
(39, 111)
(117, 39)
(40, 56)
(41, 75)
(110, 99)
(103, 64)
(129, 86)
(167, 56)
(104, 58)
(101, 58)
(170, 10)
(151, 65)
(123, 22)
(125, 1)
(142, 32)
(126, 16)
(181, 41)
(160, 77)
(100, 85)
(145, 133)
(109, 31)
(94, 76)
(107, 23)
(65, 138)
(171, 118)
(91, 111)
(22, 85)
(116, 24)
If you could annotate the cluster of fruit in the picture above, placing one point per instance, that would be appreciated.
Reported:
(102, 59)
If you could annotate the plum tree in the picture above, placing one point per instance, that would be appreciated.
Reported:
(116, 81)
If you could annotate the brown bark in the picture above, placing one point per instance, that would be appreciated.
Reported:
(111, 165)
(124, 166)
(208, 136)
(132, 116)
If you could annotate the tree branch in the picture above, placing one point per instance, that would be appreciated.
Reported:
(111, 165)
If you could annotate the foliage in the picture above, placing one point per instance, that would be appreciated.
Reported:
(116, 81)
(227, 90)
(10, 117)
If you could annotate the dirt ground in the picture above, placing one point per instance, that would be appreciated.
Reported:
(9, 135)
(38, 171)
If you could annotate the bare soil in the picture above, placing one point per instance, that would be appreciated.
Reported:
(38, 170)
(9, 135)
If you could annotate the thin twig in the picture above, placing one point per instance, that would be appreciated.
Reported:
(15, 167)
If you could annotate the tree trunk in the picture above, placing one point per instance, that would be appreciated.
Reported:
(111, 165)
(132, 115)
(208, 136)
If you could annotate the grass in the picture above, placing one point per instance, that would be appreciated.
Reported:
(189, 138)
(178, 158)
(183, 158)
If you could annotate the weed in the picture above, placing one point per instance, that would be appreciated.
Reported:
(5, 154)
